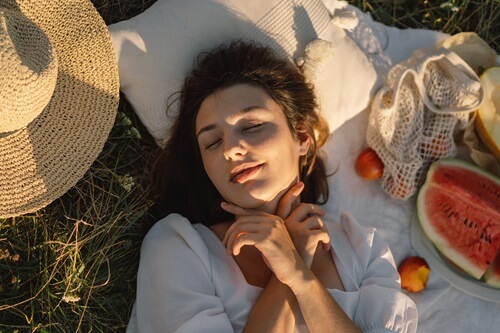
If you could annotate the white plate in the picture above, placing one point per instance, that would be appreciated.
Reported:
(437, 263)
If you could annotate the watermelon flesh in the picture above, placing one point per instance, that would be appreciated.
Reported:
(459, 210)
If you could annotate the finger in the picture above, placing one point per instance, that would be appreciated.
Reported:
(286, 202)
(304, 211)
(244, 239)
(238, 229)
(229, 238)
(239, 211)
(230, 248)
(321, 236)
(326, 241)
(255, 219)
(313, 222)
(316, 226)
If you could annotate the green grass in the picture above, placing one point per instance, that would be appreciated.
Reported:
(71, 266)
(454, 16)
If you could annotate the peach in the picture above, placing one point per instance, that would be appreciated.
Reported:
(414, 272)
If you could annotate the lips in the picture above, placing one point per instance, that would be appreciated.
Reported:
(242, 173)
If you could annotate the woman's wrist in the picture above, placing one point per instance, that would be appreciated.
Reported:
(319, 309)
(302, 280)
(274, 310)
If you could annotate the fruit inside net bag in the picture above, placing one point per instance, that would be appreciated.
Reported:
(414, 116)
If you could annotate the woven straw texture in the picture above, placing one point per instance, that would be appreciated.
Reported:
(40, 162)
(414, 117)
(30, 68)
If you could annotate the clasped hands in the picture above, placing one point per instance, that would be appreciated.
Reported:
(285, 239)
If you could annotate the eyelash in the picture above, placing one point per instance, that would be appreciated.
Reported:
(251, 129)
(212, 144)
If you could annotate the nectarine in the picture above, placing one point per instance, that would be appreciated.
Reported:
(414, 272)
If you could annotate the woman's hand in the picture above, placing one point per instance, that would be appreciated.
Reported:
(303, 223)
(269, 235)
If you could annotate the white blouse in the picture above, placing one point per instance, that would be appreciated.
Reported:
(187, 283)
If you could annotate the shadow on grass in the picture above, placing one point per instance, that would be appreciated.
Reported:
(72, 265)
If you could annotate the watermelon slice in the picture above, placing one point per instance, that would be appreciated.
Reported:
(492, 275)
(459, 210)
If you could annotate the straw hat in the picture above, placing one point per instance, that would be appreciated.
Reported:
(58, 98)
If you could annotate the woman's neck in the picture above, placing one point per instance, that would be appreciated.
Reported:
(271, 207)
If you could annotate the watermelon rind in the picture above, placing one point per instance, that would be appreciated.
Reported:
(440, 242)
(492, 274)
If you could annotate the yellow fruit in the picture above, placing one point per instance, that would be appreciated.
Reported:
(488, 115)
(471, 48)
(414, 272)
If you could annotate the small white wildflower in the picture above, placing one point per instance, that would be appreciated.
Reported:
(126, 182)
(450, 5)
(69, 298)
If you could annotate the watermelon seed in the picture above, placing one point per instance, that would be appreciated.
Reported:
(465, 220)
(487, 238)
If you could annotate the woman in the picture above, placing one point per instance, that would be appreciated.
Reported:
(244, 245)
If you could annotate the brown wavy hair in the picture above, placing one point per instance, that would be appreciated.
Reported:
(179, 181)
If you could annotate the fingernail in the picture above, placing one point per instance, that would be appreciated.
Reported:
(298, 188)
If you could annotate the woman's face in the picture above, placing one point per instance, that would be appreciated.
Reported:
(247, 148)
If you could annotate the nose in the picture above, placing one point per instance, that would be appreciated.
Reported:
(234, 148)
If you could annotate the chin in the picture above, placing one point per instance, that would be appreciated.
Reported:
(258, 196)
(248, 203)
(267, 203)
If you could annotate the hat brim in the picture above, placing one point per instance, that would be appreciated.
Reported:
(44, 160)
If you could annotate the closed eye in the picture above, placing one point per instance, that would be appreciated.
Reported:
(253, 128)
(213, 144)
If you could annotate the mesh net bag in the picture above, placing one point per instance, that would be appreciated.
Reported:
(414, 116)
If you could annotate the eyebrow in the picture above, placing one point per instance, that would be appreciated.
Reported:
(205, 129)
(244, 111)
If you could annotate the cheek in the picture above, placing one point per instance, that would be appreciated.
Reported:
(212, 168)
(276, 140)
(290, 147)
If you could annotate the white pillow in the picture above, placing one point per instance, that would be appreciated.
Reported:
(343, 78)
(157, 49)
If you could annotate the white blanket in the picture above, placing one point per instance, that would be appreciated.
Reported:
(442, 307)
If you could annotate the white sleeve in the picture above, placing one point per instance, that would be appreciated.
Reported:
(381, 306)
(174, 288)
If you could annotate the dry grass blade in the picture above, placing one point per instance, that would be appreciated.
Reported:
(71, 266)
